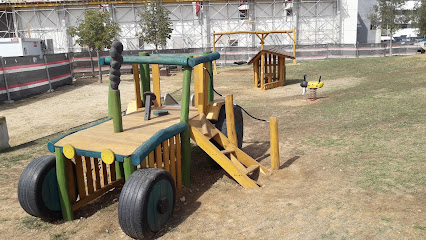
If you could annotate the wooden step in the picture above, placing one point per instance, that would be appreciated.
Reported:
(212, 134)
(253, 172)
(233, 161)
(227, 151)
(205, 127)
(252, 169)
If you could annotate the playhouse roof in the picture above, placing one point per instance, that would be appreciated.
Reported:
(271, 50)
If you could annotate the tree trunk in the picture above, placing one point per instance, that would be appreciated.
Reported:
(99, 67)
(390, 49)
(91, 63)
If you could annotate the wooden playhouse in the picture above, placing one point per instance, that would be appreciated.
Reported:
(269, 68)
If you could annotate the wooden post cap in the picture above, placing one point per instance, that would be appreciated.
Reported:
(107, 156)
(69, 151)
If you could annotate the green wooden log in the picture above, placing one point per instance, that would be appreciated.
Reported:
(118, 169)
(210, 96)
(165, 60)
(145, 79)
(61, 175)
(117, 120)
(109, 101)
(186, 147)
(129, 168)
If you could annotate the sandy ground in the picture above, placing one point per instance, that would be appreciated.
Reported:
(306, 199)
(69, 106)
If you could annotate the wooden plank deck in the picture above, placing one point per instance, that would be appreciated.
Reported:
(136, 131)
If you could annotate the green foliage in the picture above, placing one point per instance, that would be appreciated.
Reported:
(35, 223)
(97, 30)
(155, 24)
(8, 162)
(387, 14)
(420, 18)
(420, 227)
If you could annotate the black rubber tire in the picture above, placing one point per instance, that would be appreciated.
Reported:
(133, 202)
(239, 123)
(30, 188)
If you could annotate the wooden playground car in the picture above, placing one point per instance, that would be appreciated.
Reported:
(150, 154)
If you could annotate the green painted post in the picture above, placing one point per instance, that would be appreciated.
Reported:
(210, 94)
(109, 101)
(186, 147)
(145, 79)
(117, 120)
(118, 169)
(129, 168)
(61, 176)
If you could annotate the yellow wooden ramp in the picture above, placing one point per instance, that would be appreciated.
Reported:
(234, 161)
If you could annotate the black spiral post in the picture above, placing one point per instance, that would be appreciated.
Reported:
(114, 77)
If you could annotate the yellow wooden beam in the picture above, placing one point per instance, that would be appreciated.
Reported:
(275, 151)
(254, 32)
(294, 46)
(80, 177)
(178, 163)
(213, 109)
(218, 37)
(136, 80)
(156, 84)
(158, 157)
(230, 119)
(172, 158)
(256, 73)
(205, 87)
(197, 78)
(151, 160)
(262, 71)
(166, 155)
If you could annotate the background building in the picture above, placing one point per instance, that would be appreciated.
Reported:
(316, 21)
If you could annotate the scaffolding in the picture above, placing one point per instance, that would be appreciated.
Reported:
(262, 37)
(316, 21)
(6, 24)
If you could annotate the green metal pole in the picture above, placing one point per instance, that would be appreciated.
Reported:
(129, 168)
(145, 79)
(116, 111)
(210, 94)
(186, 147)
(61, 176)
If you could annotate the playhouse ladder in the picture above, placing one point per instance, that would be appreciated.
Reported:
(233, 160)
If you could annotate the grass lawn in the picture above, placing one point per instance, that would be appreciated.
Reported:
(374, 130)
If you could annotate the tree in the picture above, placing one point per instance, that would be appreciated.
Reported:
(155, 24)
(388, 14)
(97, 31)
(420, 18)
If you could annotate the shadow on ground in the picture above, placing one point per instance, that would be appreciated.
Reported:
(257, 150)
(290, 161)
(204, 174)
